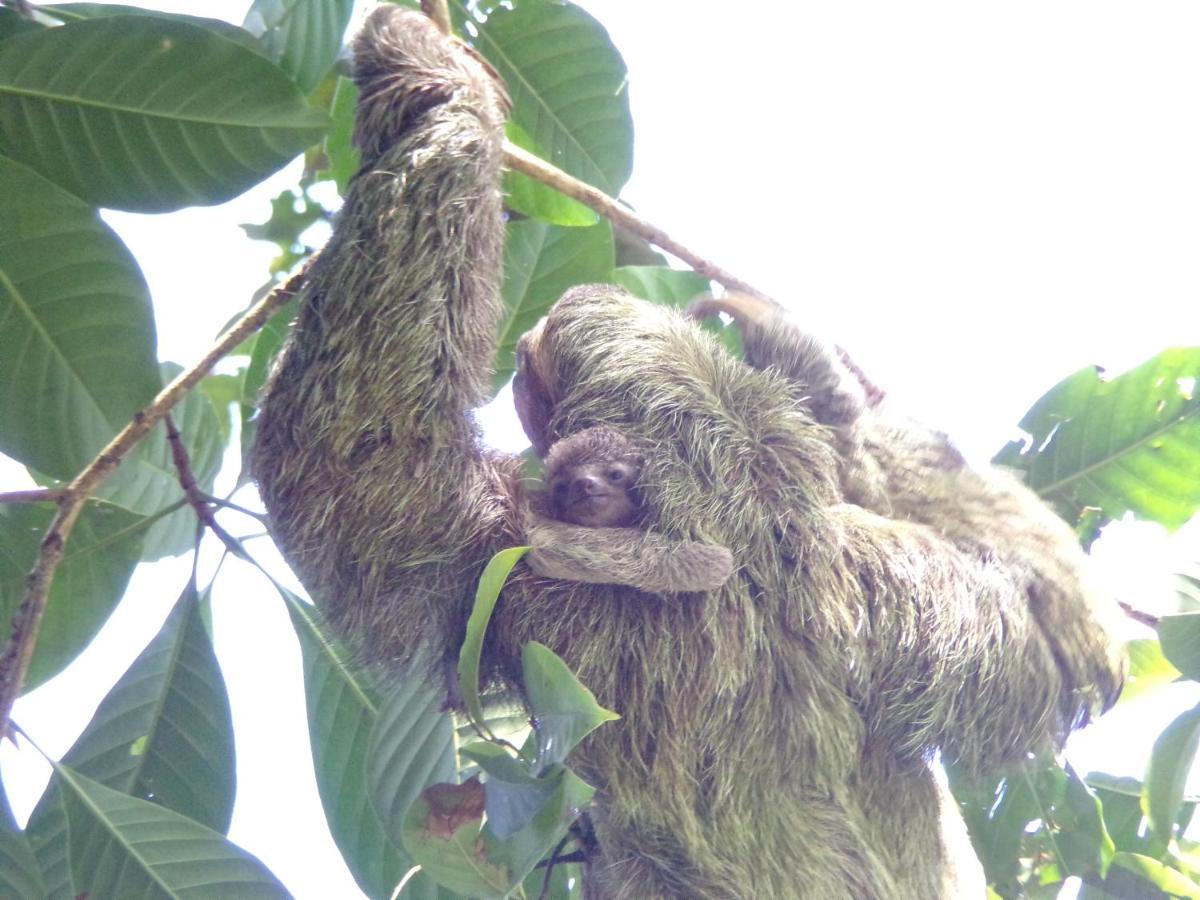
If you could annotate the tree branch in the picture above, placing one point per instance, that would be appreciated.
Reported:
(14, 662)
(34, 495)
(191, 490)
(519, 160)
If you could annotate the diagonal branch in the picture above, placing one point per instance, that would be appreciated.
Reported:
(519, 160)
(14, 662)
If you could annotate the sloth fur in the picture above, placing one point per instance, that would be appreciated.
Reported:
(777, 731)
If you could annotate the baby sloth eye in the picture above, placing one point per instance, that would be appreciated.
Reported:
(560, 489)
(616, 475)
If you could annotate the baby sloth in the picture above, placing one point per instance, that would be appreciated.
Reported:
(578, 525)
(592, 479)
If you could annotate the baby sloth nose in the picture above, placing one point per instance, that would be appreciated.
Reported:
(586, 486)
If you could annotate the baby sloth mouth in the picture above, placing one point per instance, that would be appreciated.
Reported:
(598, 506)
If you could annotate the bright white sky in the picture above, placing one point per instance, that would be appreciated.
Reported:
(974, 199)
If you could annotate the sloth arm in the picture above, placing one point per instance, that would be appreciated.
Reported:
(984, 637)
(367, 456)
(629, 556)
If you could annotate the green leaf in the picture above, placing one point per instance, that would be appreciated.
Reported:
(662, 284)
(148, 481)
(564, 711)
(47, 833)
(1133, 875)
(147, 114)
(411, 747)
(490, 584)
(72, 12)
(20, 874)
(1166, 774)
(567, 83)
(302, 36)
(342, 155)
(343, 706)
(540, 201)
(520, 852)
(125, 847)
(513, 795)
(1179, 637)
(540, 262)
(163, 733)
(12, 22)
(1148, 668)
(441, 831)
(1129, 444)
(76, 328)
(103, 549)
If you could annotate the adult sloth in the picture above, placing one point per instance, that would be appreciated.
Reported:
(776, 731)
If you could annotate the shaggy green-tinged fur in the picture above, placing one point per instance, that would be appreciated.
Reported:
(776, 731)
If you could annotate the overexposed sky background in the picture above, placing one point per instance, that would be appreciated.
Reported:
(975, 199)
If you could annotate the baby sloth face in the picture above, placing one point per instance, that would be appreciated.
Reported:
(596, 494)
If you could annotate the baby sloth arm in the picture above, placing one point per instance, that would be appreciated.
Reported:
(630, 556)
(579, 524)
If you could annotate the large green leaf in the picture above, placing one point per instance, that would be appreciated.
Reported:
(125, 847)
(302, 36)
(100, 556)
(1166, 774)
(76, 328)
(343, 707)
(164, 733)
(73, 12)
(565, 710)
(412, 746)
(540, 262)
(148, 114)
(567, 83)
(662, 284)
(20, 874)
(1129, 444)
(540, 201)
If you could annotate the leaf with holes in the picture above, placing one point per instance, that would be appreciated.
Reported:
(76, 329)
(148, 114)
(302, 36)
(1126, 444)
(540, 262)
(567, 83)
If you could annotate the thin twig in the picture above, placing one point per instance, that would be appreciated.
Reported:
(191, 490)
(229, 504)
(526, 163)
(1137, 615)
(18, 651)
(33, 495)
